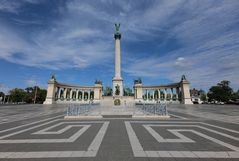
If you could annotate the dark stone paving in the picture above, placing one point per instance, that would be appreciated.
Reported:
(115, 144)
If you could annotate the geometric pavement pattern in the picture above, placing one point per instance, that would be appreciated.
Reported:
(200, 129)
(57, 138)
(54, 132)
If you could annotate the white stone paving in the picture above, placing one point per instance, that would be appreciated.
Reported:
(207, 115)
(140, 152)
(90, 152)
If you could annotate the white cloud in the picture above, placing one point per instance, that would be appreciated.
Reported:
(13, 6)
(207, 33)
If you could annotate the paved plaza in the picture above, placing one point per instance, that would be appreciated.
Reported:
(194, 132)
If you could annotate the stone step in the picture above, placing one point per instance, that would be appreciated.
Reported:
(117, 116)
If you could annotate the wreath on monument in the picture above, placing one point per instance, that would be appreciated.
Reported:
(117, 102)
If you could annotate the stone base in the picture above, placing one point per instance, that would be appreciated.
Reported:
(49, 101)
(153, 117)
(82, 117)
(187, 101)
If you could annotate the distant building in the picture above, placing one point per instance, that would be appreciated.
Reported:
(196, 95)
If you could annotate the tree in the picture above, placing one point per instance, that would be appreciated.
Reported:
(202, 95)
(17, 95)
(41, 95)
(128, 91)
(107, 91)
(221, 92)
(235, 96)
(2, 94)
(30, 94)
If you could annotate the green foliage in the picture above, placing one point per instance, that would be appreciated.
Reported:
(235, 96)
(41, 95)
(107, 91)
(2, 94)
(221, 92)
(17, 95)
(27, 95)
(203, 95)
(128, 91)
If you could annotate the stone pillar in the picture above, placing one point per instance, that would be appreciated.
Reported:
(83, 95)
(97, 91)
(59, 93)
(147, 94)
(64, 94)
(50, 98)
(153, 93)
(171, 94)
(165, 94)
(177, 92)
(135, 93)
(186, 98)
(138, 91)
(71, 93)
(88, 95)
(117, 58)
(159, 94)
(77, 94)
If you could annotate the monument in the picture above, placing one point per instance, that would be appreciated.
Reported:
(117, 80)
(63, 93)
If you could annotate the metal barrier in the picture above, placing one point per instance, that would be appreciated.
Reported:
(156, 109)
(79, 109)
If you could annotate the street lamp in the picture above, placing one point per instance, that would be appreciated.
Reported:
(35, 94)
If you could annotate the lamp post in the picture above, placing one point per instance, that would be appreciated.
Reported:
(35, 94)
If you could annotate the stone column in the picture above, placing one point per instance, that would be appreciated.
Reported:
(89, 95)
(147, 94)
(165, 94)
(64, 94)
(177, 92)
(59, 93)
(159, 94)
(77, 94)
(117, 58)
(117, 80)
(135, 93)
(171, 94)
(153, 93)
(83, 95)
(71, 92)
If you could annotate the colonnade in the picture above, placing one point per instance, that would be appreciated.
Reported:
(74, 94)
(163, 94)
(178, 92)
(62, 93)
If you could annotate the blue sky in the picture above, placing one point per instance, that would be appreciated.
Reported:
(161, 40)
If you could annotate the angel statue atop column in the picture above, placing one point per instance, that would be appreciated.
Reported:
(117, 26)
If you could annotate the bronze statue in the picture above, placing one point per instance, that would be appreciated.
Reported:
(117, 26)
(183, 77)
(53, 77)
(117, 90)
